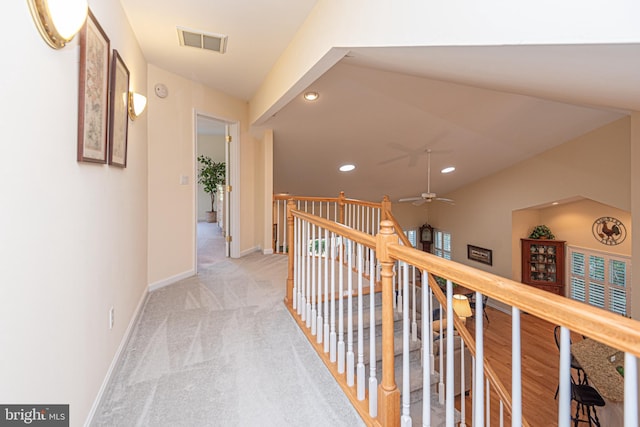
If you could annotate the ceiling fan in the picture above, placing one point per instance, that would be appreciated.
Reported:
(428, 196)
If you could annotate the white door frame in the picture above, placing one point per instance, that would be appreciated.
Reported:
(232, 152)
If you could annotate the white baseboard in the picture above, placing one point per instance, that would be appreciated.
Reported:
(170, 280)
(267, 252)
(250, 251)
(116, 357)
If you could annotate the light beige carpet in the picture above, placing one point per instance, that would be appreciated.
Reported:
(220, 349)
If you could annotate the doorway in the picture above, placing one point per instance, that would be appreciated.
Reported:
(212, 136)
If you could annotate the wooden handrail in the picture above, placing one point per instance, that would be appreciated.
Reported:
(344, 230)
(286, 197)
(611, 329)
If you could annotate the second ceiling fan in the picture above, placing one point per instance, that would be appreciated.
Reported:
(428, 196)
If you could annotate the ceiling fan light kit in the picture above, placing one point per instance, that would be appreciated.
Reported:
(427, 197)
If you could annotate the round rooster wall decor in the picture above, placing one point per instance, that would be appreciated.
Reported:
(609, 231)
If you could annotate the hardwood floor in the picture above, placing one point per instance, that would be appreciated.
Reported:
(540, 359)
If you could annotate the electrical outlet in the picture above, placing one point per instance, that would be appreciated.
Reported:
(111, 318)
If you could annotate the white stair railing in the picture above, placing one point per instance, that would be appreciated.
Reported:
(362, 216)
(317, 243)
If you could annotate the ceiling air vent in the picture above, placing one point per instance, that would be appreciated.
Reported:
(208, 41)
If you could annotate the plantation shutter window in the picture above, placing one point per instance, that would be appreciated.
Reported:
(600, 279)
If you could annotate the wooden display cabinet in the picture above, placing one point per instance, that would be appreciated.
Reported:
(543, 264)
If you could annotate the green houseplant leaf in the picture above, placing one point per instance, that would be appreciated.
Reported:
(541, 232)
(210, 175)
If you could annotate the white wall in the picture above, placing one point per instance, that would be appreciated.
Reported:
(73, 236)
(172, 155)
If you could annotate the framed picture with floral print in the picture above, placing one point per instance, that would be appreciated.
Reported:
(93, 93)
(118, 111)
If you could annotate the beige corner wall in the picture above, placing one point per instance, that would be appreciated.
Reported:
(172, 213)
(573, 222)
(73, 235)
(266, 173)
(484, 211)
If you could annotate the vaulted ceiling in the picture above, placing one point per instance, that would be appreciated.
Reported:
(480, 109)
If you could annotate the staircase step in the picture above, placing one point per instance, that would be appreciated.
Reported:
(438, 415)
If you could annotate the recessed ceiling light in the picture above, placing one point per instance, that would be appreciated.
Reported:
(347, 168)
(311, 96)
(555, 203)
(448, 169)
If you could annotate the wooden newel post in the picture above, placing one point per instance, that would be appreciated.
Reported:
(288, 298)
(386, 207)
(388, 393)
(341, 204)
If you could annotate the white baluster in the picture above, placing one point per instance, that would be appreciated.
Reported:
(341, 349)
(463, 386)
(488, 410)
(360, 372)
(516, 366)
(284, 229)
(308, 253)
(373, 381)
(478, 391)
(501, 414)
(630, 390)
(449, 402)
(332, 333)
(327, 251)
(405, 419)
(414, 323)
(314, 252)
(564, 379)
(303, 271)
(350, 354)
(432, 357)
(427, 350)
(320, 332)
(296, 265)
(399, 305)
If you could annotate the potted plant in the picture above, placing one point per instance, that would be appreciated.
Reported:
(210, 175)
(541, 232)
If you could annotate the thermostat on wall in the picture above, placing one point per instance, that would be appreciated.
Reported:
(161, 90)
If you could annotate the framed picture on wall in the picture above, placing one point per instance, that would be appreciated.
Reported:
(482, 255)
(93, 92)
(118, 111)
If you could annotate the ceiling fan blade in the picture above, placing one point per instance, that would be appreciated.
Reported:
(401, 147)
(442, 199)
(384, 162)
(410, 199)
(419, 202)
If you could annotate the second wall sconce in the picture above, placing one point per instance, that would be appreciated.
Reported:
(58, 21)
(137, 104)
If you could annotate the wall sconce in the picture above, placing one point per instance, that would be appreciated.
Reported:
(137, 104)
(58, 21)
(462, 307)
